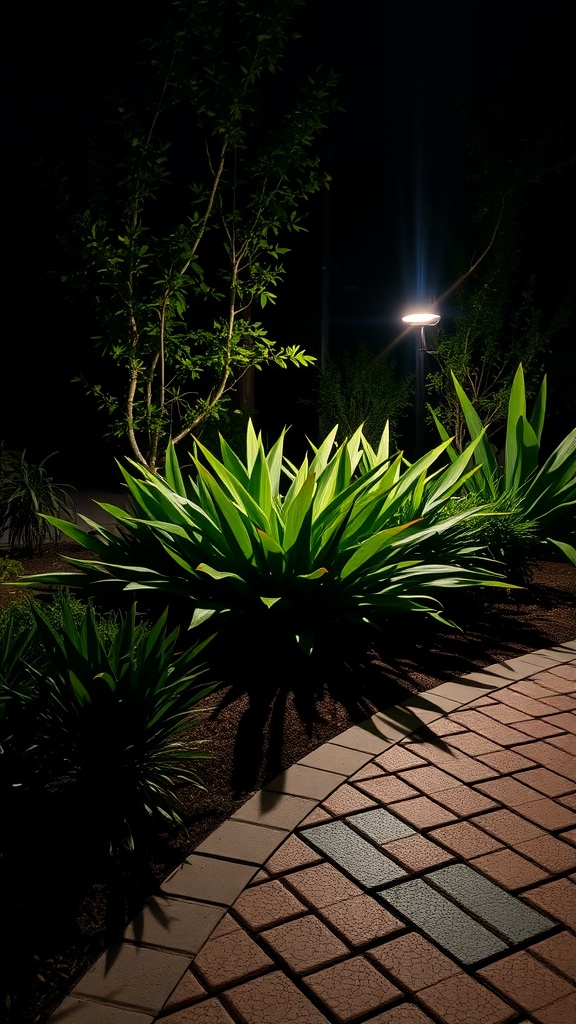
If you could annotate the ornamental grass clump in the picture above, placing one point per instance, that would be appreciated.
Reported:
(97, 723)
(529, 509)
(350, 536)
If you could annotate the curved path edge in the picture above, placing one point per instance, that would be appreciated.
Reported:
(147, 976)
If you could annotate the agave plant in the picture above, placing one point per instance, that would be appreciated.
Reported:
(535, 505)
(109, 719)
(349, 538)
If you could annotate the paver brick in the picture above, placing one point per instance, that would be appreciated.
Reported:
(267, 904)
(465, 839)
(83, 1011)
(367, 865)
(279, 810)
(506, 761)
(563, 1011)
(508, 714)
(509, 869)
(562, 702)
(557, 898)
(305, 944)
(398, 758)
(242, 840)
(565, 742)
(551, 853)
(559, 952)
(387, 788)
(553, 680)
(464, 801)
(210, 1011)
(352, 988)
(417, 853)
(472, 743)
(209, 879)
(380, 826)
(274, 999)
(413, 962)
(507, 826)
(526, 981)
(539, 728)
(291, 855)
(429, 779)
(301, 780)
(505, 735)
(178, 925)
(361, 920)
(462, 1000)
(423, 812)
(321, 885)
(548, 813)
(443, 922)
(230, 958)
(138, 977)
(406, 1013)
(546, 782)
(508, 791)
(335, 758)
(188, 990)
(347, 799)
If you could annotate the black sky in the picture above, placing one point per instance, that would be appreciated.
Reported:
(416, 79)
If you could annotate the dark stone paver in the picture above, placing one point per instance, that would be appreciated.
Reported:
(355, 855)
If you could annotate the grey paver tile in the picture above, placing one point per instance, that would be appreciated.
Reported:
(135, 976)
(380, 825)
(367, 865)
(504, 913)
(443, 922)
(244, 841)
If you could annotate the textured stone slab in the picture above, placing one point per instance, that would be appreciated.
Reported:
(506, 914)
(302, 780)
(442, 921)
(82, 1012)
(133, 976)
(179, 925)
(380, 825)
(244, 841)
(355, 855)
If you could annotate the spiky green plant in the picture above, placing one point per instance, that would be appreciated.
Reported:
(108, 716)
(351, 538)
(541, 500)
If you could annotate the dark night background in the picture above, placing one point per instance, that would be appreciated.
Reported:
(415, 80)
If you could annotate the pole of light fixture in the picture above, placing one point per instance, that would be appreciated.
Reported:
(421, 320)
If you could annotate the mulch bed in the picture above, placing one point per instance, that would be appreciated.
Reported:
(62, 905)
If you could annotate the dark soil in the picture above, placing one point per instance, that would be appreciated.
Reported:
(62, 904)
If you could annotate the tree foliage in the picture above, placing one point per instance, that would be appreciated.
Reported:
(201, 177)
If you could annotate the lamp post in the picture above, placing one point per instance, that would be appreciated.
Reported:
(421, 320)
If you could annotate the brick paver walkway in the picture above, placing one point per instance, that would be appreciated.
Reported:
(418, 869)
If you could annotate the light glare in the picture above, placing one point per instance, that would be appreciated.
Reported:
(430, 319)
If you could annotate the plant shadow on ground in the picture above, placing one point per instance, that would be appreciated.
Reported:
(65, 899)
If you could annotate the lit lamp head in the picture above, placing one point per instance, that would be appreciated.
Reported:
(421, 319)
